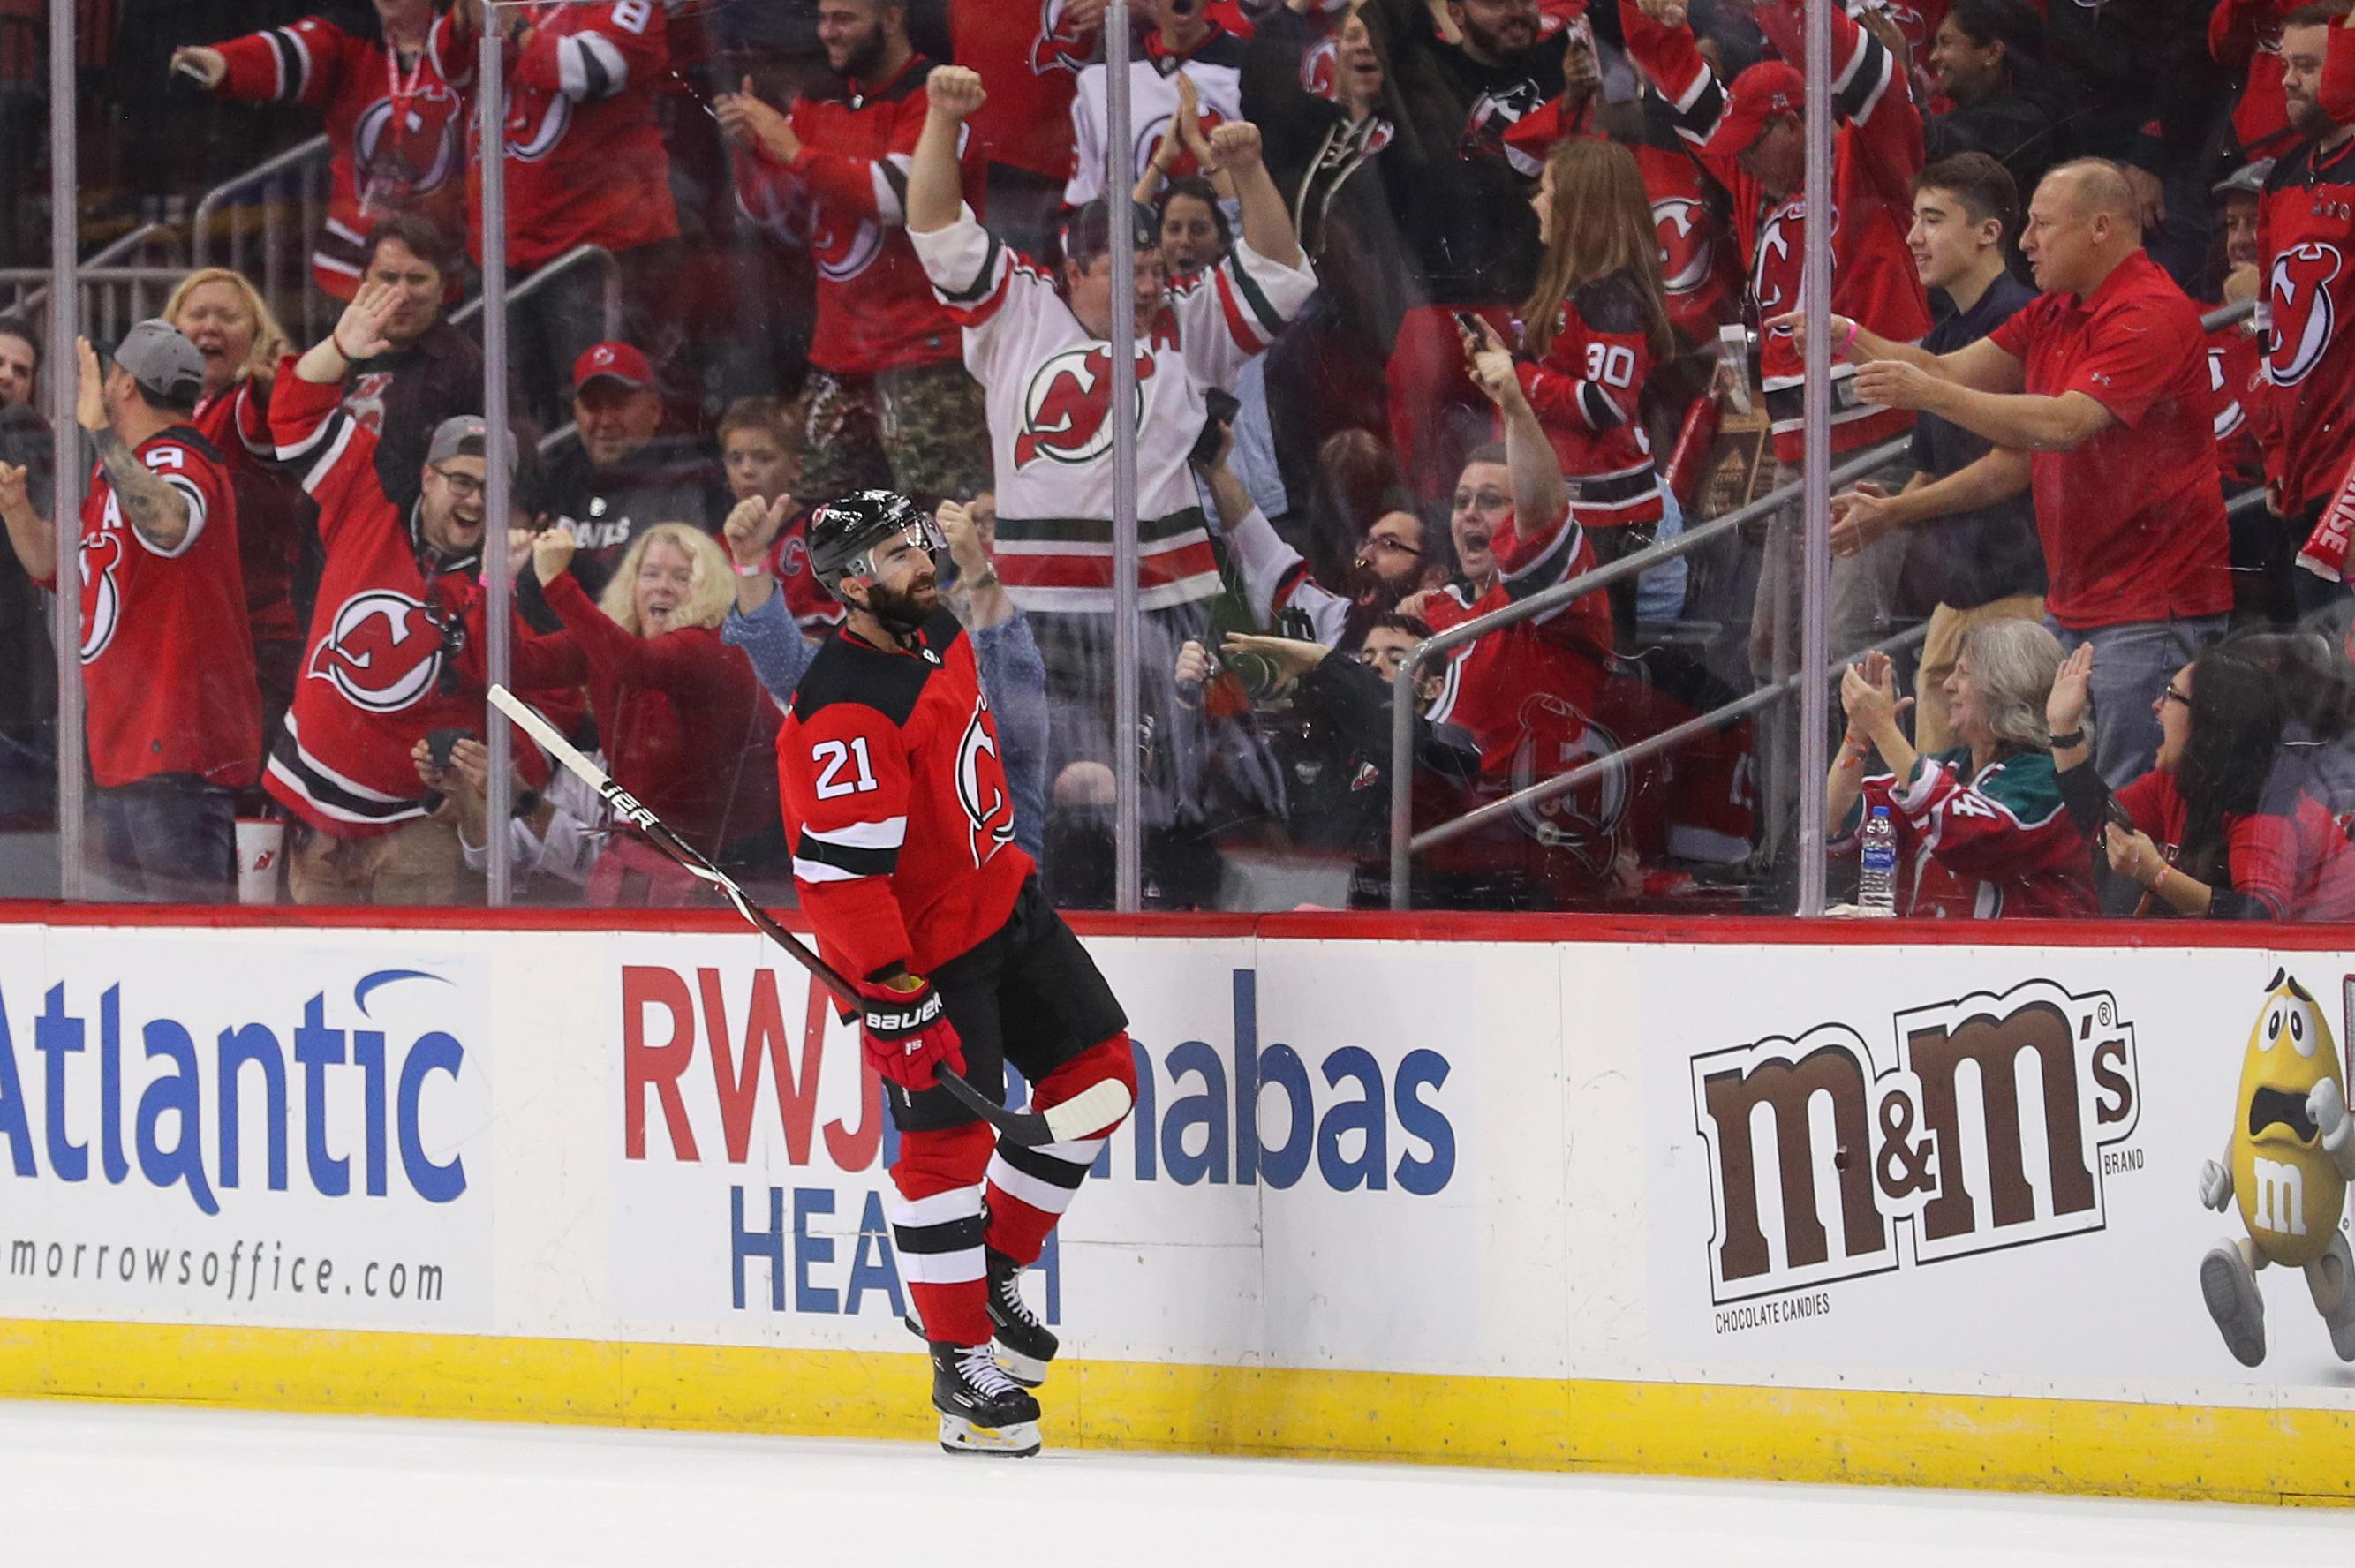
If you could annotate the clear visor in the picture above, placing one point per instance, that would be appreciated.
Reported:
(924, 533)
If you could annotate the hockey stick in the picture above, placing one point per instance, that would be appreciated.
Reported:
(1097, 1106)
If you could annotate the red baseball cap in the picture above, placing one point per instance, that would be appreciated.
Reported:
(1766, 92)
(612, 362)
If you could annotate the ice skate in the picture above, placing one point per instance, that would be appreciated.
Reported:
(1025, 1344)
(982, 1410)
(2232, 1301)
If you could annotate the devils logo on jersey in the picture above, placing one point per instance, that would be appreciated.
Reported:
(981, 787)
(1064, 408)
(839, 261)
(1061, 46)
(2304, 315)
(1556, 738)
(1149, 137)
(1320, 69)
(1781, 253)
(1686, 249)
(383, 651)
(102, 596)
(418, 155)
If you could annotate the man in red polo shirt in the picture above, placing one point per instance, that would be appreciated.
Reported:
(2104, 382)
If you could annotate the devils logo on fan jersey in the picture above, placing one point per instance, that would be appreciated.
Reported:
(2305, 316)
(1782, 252)
(1149, 137)
(1687, 247)
(1320, 69)
(1556, 738)
(1061, 45)
(531, 142)
(1064, 408)
(425, 146)
(102, 593)
(981, 787)
(841, 259)
(383, 651)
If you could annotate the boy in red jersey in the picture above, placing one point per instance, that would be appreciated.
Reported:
(174, 717)
(902, 834)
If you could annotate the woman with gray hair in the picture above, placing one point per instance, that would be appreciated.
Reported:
(1982, 826)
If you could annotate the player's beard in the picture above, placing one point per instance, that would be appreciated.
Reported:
(902, 614)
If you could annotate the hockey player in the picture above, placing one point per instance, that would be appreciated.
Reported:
(902, 834)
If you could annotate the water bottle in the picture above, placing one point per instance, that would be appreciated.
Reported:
(1876, 891)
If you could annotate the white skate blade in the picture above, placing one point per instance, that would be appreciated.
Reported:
(1028, 1370)
(1019, 1441)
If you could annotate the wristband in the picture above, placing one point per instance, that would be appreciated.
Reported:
(1851, 338)
(755, 569)
(2074, 738)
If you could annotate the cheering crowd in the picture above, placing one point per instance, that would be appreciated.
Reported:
(1436, 305)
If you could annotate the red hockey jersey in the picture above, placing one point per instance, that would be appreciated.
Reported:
(896, 803)
(394, 135)
(1876, 152)
(2236, 369)
(585, 162)
(270, 508)
(844, 198)
(2306, 241)
(2001, 844)
(1030, 56)
(1588, 393)
(388, 657)
(167, 663)
(2269, 862)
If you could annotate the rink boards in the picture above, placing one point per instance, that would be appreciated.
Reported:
(1702, 1200)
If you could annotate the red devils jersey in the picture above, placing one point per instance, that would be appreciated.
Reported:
(394, 135)
(1588, 391)
(270, 509)
(1876, 152)
(2306, 241)
(1029, 55)
(383, 665)
(167, 663)
(1698, 274)
(585, 159)
(844, 198)
(896, 803)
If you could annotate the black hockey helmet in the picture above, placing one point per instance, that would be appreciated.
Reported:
(842, 534)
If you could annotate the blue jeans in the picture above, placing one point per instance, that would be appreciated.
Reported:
(2132, 665)
(168, 838)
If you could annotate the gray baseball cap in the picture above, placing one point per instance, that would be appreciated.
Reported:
(464, 435)
(163, 362)
(2249, 179)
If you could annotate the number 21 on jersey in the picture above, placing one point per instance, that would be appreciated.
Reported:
(835, 758)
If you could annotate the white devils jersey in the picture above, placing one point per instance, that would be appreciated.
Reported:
(1049, 385)
(1216, 71)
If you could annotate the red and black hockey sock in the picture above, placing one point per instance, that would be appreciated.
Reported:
(1030, 1188)
(936, 1224)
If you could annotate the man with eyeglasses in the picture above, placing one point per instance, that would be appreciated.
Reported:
(389, 659)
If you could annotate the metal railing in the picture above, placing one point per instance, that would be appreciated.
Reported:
(578, 256)
(1406, 843)
(1402, 709)
(224, 237)
(108, 299)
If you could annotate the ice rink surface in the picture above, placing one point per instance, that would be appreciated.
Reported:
(97, 1485)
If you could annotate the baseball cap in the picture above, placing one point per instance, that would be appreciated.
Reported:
(166, 366)
(2249, 179)
(1767, 90)
(464, 435)
(1087, 234)
(612, 362)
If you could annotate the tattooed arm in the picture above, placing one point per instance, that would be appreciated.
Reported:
(156, 508)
